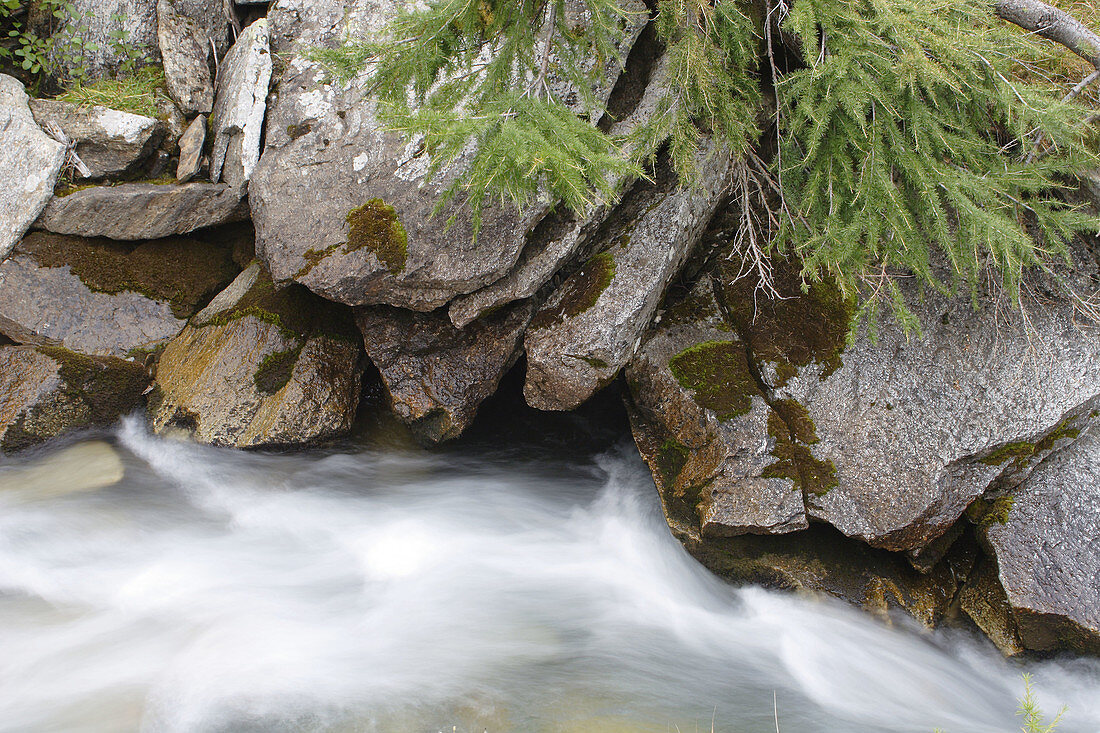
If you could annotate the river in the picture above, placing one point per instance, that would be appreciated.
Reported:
(516, 581)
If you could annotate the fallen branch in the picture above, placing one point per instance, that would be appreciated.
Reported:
(1053, 24)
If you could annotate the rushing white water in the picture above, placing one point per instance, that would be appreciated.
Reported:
(214, 590)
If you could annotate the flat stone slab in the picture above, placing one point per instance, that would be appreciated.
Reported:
(103, 297)
(143, 210)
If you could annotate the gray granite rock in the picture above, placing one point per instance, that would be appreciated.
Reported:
(29, 163)
(106, 298)
(260, 367)
(108, 141)
(241, 102)
(435, 374)
(919, 426)
(143, 210)
(589, 328)
(47, 391)
(705, 428)
(191, 144)
(185, 49)
(557, 238)
(1044, 537)
(93, 23)
(327, 157)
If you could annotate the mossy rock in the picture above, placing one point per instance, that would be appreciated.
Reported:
(718, 374)
(580, 291)
(48, 391)
(182, 272)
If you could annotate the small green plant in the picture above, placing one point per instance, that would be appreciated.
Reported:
(1034, 720)
(50, 43)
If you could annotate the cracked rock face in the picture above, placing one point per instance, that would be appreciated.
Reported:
(590, 326)
(1044, 538)
(260, 367)
(436, 375)
(238, 117)
(185, 47)
(344, 206)
(702, 425)
(47, 391)
(106, 298)
(30, 161)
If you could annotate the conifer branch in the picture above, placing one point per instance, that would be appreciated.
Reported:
(1053, 24)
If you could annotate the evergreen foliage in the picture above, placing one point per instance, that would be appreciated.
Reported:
(901, 139)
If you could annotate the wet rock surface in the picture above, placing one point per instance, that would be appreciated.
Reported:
(260, 367)
(108, 141)
(47, 391)
(30, 161)
(589, 327)
(436, 375)
(368, 235)
(103, 297)
(702, 425)
(143, 210)
(1043, 535)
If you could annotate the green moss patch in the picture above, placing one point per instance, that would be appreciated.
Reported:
(984, 512)
(108, 386)
(792, 434)
(184, 272)
(275, 370)
(1020, 452)
(313, 258)
(718, 374)
(671, 458)
(375, 226)
(799, 328)
(580, 291)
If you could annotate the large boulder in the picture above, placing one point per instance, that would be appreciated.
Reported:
(104, 297)
(721, 455)
(904, 431)
(435, 374)
(260, 367)
(30, 161)
(108, 141)
(344, 206)
(106, 35)
(46, 391)
(143, 210)
(1043, 535)
(588, 329)
(238, 117)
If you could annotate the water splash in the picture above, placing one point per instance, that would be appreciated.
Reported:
(213, 590)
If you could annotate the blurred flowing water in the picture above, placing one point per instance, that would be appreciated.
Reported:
(482, 588)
